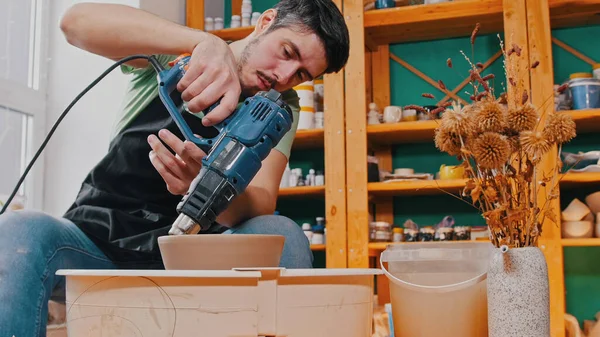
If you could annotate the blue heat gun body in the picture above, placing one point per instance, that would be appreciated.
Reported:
(234, 155)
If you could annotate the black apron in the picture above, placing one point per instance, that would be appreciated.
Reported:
(124, 205)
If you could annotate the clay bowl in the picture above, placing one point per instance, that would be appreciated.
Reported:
(220, 251)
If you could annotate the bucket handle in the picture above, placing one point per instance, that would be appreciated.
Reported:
(434, 289)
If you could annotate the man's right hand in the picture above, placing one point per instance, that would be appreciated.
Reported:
(212, 75)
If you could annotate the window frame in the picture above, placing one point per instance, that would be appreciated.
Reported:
(32, 102)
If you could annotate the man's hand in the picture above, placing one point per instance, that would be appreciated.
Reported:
(178, 170)
(212, 74)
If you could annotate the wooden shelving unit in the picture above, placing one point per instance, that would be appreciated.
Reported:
(331, 139)
(415, 187)
(524, 22)
(588, 242)
(233, 34)
(302, 191)
(305, 139)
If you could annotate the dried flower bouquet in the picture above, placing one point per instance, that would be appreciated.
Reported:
(501, 143)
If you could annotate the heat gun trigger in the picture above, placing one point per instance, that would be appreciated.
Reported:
(168, 80)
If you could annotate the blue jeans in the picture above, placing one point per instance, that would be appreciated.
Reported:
(34, 245)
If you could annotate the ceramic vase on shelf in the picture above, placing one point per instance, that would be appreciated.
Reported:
(518, 293)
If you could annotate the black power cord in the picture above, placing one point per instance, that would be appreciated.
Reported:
(153, 61)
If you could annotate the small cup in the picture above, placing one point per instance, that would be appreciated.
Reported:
(404, 171)
(392, 114)
(409, 115)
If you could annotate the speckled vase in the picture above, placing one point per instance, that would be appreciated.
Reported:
(518, 293)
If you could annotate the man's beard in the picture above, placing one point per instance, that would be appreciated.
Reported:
(248, 91)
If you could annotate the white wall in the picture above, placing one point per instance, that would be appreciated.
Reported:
(82, 137)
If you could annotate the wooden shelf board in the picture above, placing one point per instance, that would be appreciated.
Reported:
(402, 132)
(317, 247)
(574, 13)
(458, 18)
(587, 242)
(433, 21)
(416, 187)
(309, 138)
(302, 191)
(233, 34)
(571, 180)
(587, 120)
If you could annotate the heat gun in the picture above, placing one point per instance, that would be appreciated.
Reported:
(234, 155)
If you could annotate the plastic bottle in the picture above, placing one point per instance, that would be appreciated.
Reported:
(245, 19)
(236, 21)
(218, 23)
(209, 24)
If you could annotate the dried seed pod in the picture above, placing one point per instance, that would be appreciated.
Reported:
(488, 77)
(472, 97)
(510, 79)
(525, 97)
(479, 65)
(512, 50)
(442, 85)
(562, 88)
(535, 64)
(517, 49)
(480, 96)
(428, 95)
(449, 62)
(474, 33)
(416, 107)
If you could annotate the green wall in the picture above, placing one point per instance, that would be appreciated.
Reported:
(582, 272)
(582, 267)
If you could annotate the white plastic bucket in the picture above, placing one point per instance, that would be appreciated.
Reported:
(438, 288)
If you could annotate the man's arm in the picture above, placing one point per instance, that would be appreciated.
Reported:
(178, 171)
(117, 31)
(260, 197)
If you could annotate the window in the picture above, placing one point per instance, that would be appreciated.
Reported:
(22, 96)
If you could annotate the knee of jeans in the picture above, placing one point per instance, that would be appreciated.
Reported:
(27, 225)
(277, 225)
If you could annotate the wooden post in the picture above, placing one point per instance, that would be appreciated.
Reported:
(195, 14)
(542, 96)
(335, 168)
(381, 96)
(356, 138)
(236, 7)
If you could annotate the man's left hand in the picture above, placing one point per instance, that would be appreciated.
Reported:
(177, 170)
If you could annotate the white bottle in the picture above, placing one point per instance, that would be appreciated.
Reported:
(218, 23)
(254, 18)
(236, 21)
(247, 7)
(209, 24)
(310, 178)
(307, 228)
(245, 19)
(293, 178)
(319, 179)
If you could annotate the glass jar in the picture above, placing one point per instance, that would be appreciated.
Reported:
(444, 234)
(380, 231)
(462, 233)
(398, 234)
(411, 235)
(426, 233)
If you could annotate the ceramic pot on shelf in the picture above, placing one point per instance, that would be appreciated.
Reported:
(518, 293)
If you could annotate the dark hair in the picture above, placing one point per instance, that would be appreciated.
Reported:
(321, 17)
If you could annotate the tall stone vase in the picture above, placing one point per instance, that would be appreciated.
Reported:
(518, 293)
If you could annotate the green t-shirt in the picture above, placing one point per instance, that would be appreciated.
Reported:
(143, 88)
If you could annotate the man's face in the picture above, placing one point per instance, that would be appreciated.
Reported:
(280, 59)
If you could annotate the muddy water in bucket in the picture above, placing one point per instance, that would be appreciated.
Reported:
(438, 289)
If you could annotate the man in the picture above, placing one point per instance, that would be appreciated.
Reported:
(128, 200)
